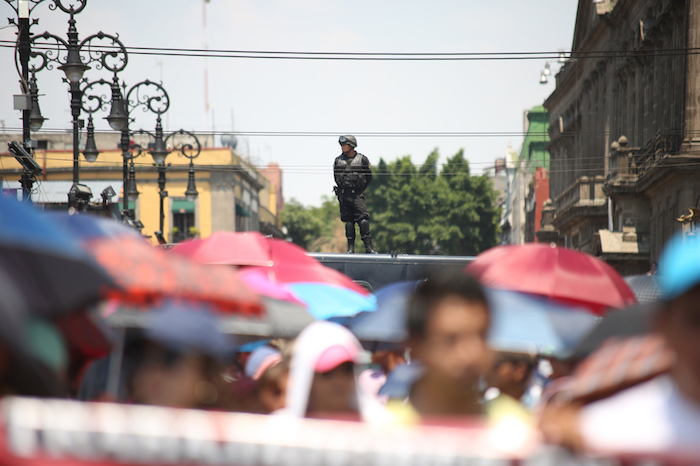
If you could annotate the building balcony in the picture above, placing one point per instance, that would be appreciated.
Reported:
(585, 192)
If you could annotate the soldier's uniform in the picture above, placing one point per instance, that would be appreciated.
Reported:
(352, 176)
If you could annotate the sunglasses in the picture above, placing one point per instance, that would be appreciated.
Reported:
(343, 140)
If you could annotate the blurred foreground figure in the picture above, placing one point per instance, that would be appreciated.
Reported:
(322, 379)
(663, 414)
(269, 370)
(448, 318)
(510, 375)
(183, 362)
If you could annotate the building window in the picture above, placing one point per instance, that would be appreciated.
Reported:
(184, 226)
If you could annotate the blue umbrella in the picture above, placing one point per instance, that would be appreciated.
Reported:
(327, 301)
(49, 268)
(524, 323)
(388, 322)
(87, 227)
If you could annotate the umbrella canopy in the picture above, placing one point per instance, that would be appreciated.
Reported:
(645, 287)
(51, 270)
(557, 273)
(259, 281)
(327, 301)
(86, 227)
(224, 247)
(145, 274)
(282, 261)
(528, 324)
(633, 321)
(388, 323)
(278, 319)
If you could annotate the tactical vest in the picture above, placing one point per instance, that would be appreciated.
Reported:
(351, 175)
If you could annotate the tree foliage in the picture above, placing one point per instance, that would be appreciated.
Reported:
(423, 210)
(310, 227)
(414, 210)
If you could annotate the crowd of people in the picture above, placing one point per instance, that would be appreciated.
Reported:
(644, 398)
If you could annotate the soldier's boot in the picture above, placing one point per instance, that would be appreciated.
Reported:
(366, 236)
(350, 235)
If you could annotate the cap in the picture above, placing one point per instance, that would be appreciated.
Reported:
(348, 139)
(679, 265)
(261, 360)
(334, 356)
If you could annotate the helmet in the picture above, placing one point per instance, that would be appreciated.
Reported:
(348, 140)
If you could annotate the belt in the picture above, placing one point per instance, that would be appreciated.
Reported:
(351, 191)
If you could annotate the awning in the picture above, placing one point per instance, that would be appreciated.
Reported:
(56, 191)
(242, 211)
(183, 207)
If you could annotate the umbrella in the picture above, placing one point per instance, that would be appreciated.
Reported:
(89, 227)
(645, 287)
(327, 301)
(258, 281)
(145, 274)
(51, 270)
(616, 365)
(279, 319)
(635, 320)
(530, 324)
(224, 247)
(388, 322)
(284, 262)
(554, 272)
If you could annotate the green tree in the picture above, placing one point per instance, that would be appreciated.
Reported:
(311, 228)
(420, 210)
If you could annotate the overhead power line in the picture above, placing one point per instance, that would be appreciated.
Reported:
(375, 56)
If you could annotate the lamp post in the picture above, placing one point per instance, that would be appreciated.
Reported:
(184, 142)
(74, 57)
(149, 96)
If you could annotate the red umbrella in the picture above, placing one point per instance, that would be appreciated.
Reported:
(225, 247)
(281, 260)
(146, 273)
(558, 273)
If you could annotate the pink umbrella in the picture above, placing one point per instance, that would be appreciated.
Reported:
(282, 261)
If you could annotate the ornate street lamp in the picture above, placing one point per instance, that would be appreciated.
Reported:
(36, 120)
(190, 148)
(74, 58)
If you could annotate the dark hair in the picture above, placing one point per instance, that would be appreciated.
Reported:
(434, 289)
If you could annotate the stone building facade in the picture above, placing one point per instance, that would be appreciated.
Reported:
(625, 130)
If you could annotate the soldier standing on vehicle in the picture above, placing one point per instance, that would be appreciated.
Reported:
(353, 174)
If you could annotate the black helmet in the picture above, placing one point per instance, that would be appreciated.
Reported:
(348, 140)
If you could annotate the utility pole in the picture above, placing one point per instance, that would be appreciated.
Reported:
(24, 42)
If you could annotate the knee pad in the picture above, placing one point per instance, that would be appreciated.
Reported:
(350, 230)
(364, 227)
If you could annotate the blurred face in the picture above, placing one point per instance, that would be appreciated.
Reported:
(346, 148)
(272, 393)
(334, 391)
(453, 348)
(168, 379)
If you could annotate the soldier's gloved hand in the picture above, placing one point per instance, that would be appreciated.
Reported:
(335, 189)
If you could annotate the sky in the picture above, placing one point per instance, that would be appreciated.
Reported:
(337, 97)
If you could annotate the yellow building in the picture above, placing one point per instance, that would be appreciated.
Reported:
(233, 195)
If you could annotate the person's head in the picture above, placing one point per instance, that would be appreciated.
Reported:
(322, 371)
(448, 319)
(272, 386)
(510, 373)
(389, 359)
(679, 318)
(184, 359)
(177, 379)
(347, 143)
(268, 370)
